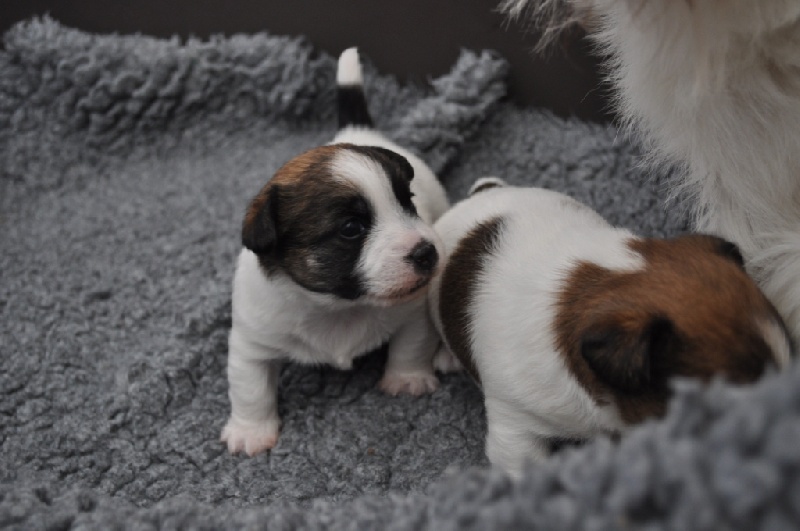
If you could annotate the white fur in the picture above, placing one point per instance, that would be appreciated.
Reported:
(275, 320)
(714, 86)
(348, 72)
(530, 394)
(776, 339)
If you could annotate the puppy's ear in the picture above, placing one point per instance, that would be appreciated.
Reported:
(626, 359)
(730, 250)
(260, 227)
(397, 162)
(718, 245)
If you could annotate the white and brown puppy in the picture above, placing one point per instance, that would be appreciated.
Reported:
(338, 253)
(573, 327)
(714, 87)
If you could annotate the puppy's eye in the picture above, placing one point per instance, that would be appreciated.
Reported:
(351, 229)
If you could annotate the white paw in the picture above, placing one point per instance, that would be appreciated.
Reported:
(250, 438)
(445, 361)
(408, 383)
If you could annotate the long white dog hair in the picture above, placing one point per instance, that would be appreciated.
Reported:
(712, 86)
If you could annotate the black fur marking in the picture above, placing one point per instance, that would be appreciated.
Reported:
(732, 251)
(352, 106)
(457, 291)
(398, 170)
(313, 251)
(625, 360)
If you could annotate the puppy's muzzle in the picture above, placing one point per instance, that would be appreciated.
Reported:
(424, 257)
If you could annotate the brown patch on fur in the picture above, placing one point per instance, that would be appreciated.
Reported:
(459, 281)
(692, 312)
(290, 224)
(310, 166)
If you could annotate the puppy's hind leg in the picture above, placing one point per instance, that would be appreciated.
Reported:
(510, 443)
(445, 361)
(409, 367)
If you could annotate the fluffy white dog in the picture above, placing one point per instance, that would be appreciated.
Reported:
(713, 86)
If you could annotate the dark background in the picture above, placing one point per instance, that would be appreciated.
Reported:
(412, 39)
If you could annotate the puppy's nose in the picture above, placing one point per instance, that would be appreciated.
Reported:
(424, 257)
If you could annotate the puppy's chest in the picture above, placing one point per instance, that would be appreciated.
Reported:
(338, 337)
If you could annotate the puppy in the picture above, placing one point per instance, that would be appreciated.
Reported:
(714, 87)
(338, 253)
(574, 328)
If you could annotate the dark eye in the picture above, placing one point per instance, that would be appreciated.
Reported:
(352, 229)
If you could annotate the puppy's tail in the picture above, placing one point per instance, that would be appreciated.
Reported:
(352, 104)
(485, 183)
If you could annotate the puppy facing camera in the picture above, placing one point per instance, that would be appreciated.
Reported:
(338, 253)
(574, 328)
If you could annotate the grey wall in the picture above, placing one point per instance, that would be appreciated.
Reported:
(413, 39)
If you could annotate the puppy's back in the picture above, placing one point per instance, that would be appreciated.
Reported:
(536, 283)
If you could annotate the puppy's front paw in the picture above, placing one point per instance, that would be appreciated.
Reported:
(250, 438)
(445, 361)
(409, 383)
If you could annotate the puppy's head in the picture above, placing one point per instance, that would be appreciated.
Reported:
(690, 311)
(339, 220)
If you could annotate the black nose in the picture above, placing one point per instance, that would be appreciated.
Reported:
(424, 257)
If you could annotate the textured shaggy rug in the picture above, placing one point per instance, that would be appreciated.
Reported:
(125, 167)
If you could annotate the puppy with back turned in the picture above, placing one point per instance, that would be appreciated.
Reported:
(574, 328)
(338, 254)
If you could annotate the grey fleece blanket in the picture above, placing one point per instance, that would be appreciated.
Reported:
(125, 167)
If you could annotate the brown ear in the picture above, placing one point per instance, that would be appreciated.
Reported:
(729, 250)
(625, 359)
(718, 245)
(260, 227)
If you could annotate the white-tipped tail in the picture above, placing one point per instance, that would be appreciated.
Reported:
(349, 72)
(351, 102)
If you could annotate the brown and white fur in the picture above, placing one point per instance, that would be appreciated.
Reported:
(338, 254)
(713, 86)
(574, 328)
